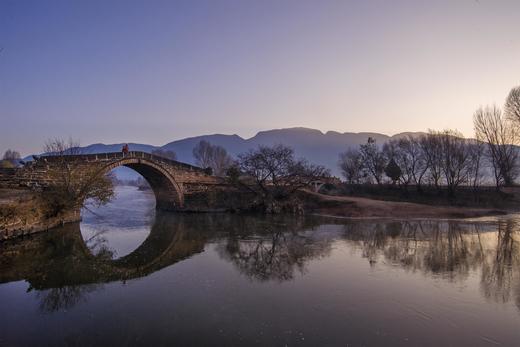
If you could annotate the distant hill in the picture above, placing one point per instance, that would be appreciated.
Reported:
(315, 146)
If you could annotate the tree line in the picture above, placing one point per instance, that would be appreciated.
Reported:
(10, 159)
(444, 158)
(272, 174)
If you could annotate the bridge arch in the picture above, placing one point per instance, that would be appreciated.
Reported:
(168, 192)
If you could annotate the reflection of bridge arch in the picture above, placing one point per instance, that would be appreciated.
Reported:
(66, 260)
(168, 193)
(168, 242)
(61, 257)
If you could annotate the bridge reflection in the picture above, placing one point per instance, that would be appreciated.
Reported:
(61, 257)
(62, 267)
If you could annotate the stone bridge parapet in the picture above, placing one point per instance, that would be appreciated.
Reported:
(173, 182)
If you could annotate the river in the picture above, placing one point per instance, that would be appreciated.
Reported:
(127, 275)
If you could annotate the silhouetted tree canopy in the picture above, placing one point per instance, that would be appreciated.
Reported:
(393, 171)
(10, 158)
(72, 184)
(500, 136)
(212, 156)
(436, 158)
(351, 166)
(274, 174)
(512, 107)
(373, 159)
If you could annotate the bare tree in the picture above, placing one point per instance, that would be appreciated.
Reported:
(475, 172)
(493, 128)
(165, 154)
(373, 159)
(416, 159)
(59, 147)
(408, 155)
(512, 107)
(212, 156)
(11, 155)
(404, 155)
(73, 185)
(202, 153)
(274, 174)
(394, 172)
(351, 165)
(220, 160)
(10, 158)
(455, 159)
(431, 148)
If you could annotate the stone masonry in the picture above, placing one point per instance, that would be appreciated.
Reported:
(173, 182)
(177, 187)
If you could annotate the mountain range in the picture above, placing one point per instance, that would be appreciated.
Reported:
(317, 147)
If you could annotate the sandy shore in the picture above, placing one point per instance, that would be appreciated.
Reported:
(355, 207)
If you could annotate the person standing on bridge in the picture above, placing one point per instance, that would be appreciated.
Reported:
(125, 149)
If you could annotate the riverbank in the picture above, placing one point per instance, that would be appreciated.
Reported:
(357, 207)
(21, 213)
(482, 197)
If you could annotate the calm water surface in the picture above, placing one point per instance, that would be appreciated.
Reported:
(130, 276)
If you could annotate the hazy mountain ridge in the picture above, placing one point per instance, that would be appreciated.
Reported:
(317, 147)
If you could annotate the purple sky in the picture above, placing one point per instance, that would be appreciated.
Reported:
(155, 71)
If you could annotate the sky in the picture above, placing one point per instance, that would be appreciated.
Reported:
(157, 71)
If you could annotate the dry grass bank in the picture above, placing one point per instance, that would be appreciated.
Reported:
(357, 207)
(22, 213)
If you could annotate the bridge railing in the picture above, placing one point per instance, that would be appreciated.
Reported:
(120, 155)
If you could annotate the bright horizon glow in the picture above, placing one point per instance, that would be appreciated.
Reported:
(133, 71)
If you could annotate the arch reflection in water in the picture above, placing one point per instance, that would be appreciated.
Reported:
(60, 263)
(122, 225)
(66, 268)
(61, 266)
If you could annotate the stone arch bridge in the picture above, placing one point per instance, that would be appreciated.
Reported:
(177, 186)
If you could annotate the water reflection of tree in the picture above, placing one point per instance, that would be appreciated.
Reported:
(500, 274)
(268, 248)
(448, 249)
(448, 252)
(62, 268)
(273, 250)
(434, 247)
(64, 298)
(98, 246)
